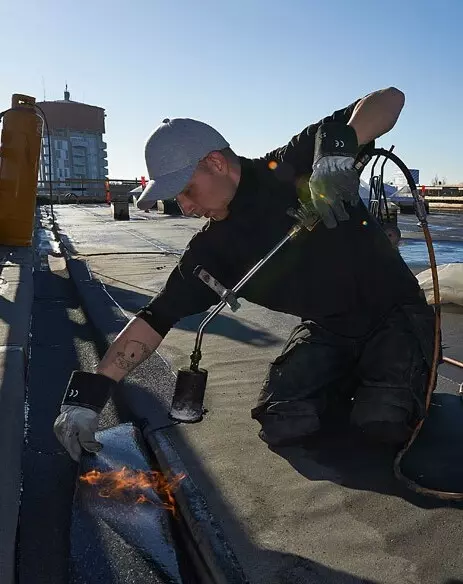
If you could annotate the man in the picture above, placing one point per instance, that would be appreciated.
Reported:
(365, 338)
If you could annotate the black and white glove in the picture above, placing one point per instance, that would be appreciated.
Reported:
(85, 397)
(334, 180)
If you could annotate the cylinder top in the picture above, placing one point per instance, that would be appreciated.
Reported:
(20, 100)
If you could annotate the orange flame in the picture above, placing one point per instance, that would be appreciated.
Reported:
(127, 484)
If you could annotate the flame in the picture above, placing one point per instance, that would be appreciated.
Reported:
(128, 484)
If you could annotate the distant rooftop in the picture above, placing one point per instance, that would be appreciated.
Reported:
(73, 115)
(67, 99)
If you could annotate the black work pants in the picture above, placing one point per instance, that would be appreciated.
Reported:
(379, 380)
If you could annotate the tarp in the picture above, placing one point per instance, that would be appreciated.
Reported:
(450, 283)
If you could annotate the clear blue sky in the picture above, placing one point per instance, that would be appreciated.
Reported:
(259, 71)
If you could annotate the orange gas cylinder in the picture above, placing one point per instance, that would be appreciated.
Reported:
(19, 165)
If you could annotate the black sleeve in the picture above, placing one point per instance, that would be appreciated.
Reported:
(297, 155)
(184, 293)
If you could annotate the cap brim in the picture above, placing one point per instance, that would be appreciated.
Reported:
(165, 187)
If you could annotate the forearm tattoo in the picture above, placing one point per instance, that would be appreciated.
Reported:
(134, 353)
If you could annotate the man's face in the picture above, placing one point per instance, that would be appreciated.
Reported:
(210, 189)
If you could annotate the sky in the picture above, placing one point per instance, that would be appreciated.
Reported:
(258, 71)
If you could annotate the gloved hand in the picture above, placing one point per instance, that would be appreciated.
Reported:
(85, 397)
(334, 180)
(75, 428)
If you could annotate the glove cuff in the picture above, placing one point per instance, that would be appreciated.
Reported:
(88, 390)
(335, 139)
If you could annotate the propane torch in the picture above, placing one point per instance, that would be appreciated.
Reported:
(187, 403)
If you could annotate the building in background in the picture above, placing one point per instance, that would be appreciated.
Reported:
(77, 146)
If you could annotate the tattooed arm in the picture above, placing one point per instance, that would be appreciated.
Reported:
(133, 344)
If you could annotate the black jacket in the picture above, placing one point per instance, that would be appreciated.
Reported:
(346, 279)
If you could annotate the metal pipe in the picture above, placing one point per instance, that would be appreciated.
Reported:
(196, 355)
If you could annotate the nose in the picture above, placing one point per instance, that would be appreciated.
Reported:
(187, 206)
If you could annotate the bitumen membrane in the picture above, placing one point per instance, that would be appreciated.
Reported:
(335, 515)
(114, 539)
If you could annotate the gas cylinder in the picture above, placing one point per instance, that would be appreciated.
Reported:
(19, 164)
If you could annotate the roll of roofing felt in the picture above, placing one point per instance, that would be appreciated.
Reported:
(450, 283)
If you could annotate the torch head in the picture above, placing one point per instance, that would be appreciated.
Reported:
(187, 403)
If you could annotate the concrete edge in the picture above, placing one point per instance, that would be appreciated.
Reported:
(13, 391)
(209, 538)
(108, 318)
(20, 278)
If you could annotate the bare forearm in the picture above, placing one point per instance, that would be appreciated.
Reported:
(376, 114)
(135, 343)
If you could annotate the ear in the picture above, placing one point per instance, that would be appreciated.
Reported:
(217, 162)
